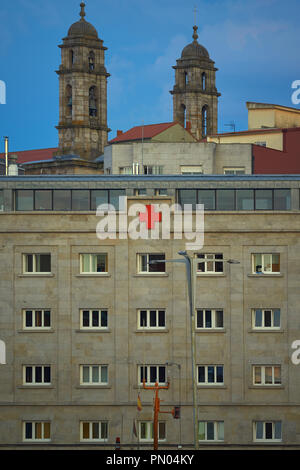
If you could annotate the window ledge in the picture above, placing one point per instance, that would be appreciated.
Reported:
(211, 275)
(215, 386)
(39, 386)
(36, 275)
(152, 330)
(210, 330)
(37, 330)
(93, 330)
(93, 275)
(93, 387)
(265, 275)
(273, 387)
(266, 330)
(151, 275)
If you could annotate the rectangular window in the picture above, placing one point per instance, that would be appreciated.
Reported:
(126, 170)
(282, 199)
(80, 200)
(43, 200)
(161, 192)
(211, 430)
(267, 375)
(93, 263)
(114, 199)
(211, 375)
(1, 201)
(209, 319)
(93, 431)
(36, 375)
(62, 200)
(208, 198)
(93, 375)
(152, 374)
(266, 318)
(153, 170)
(263, 199)
(98, 197)
(265, 263)
(36, 431)
(245, 199)
(226, 200)
(213, 263)
(37, 263)
(234, 171)
(146, 431)
(151, 319)
(24, 200)
(188, 196)
(267, 431)
(150, 263)
(93, 319)
(36, 319)
(191, 170)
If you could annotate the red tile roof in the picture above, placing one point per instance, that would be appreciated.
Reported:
(25, 156)
(142, 132)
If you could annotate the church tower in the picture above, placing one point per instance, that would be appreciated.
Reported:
(82, 127)
(195, 97)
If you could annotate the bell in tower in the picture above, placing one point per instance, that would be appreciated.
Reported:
(82, 124)
(195, 97)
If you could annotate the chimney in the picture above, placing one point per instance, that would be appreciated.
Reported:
(119, 133)
(13, 167)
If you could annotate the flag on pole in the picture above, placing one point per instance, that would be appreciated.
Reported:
(139, 403)
(134, 428)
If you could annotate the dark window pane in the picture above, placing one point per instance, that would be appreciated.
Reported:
(258, 318)
(188, 196)
(29, 263)
(38, 318)
(219, 319)
(47, 318)
(208, 319)
(282, 199)
(28, 430)
(98, 197)
(210, 431)
(245, 199)
(28, 318)
(43, 263)
(259, 430)
(161, 318)
(85, 318)
(225, 200)
(38, 374)
(263, 199)
(62, 199)
(201, 374)
(28, 377)
(114, 195)
(200, 319)
(277, 317)
(95, 318)
(104, 318)
(220, 378)
(153, 374)
(152, 317)
(161, 374)
(101, 263)
(277, 429)
(210, 374)
(207, 197)
(143, 318)
(80, 200)
(24, 200)
(157, 267)
(43, 199)
(268, 318)
(47, 374)
(269, 427)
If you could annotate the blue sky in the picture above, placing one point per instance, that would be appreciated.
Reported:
(254, 44)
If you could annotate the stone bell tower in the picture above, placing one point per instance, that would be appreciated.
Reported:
(82, 127)
(195, 97)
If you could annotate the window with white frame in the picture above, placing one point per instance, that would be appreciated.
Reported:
(94, 431)
(209, 319)
(93, 319)
(146, 431)
(234, 171)
(267, 431)
(211, 430)
(36, 431)
(266, 319)
(150, 263)
(265, 263)
(34, 263)
(36, 319)
(152, 318)
(37, 375)
(126, 170)
(211, 264)
(93, 375)
(153, 169)
(266, 375)
(152, 374)
(191, 170)
(91, 263)
(211, 375)
(261, 143)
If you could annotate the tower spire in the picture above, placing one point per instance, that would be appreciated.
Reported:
(195, 35)
(82, 12)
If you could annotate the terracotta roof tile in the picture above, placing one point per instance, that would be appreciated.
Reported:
(140, 132)
(25, 156)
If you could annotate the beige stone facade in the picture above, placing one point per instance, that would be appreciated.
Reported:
(237, 345)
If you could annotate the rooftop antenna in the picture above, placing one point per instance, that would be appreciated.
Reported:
(142, 146)
(231, 124)
(6, 155)
(195, 14)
